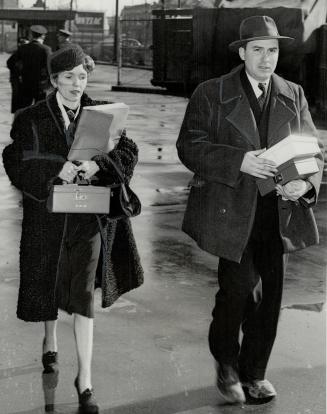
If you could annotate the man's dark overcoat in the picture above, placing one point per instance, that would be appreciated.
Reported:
(32, 161)
(218, 129)
(15, 68)
(32, 57)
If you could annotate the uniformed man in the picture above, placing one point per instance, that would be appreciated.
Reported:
(63, 37)
(32, 58)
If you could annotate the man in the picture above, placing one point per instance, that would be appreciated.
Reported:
(15, 68)
(63, 37)
(32, 58)
(228, 123)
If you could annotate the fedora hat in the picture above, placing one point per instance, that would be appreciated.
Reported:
(258, 28)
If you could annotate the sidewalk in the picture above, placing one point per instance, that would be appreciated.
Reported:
(150, 348)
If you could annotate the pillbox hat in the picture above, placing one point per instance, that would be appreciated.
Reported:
(66, 58)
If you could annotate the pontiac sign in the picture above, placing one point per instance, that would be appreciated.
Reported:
(86, 21)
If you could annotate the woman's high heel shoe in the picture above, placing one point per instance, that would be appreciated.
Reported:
(86, 399)
(49, 361)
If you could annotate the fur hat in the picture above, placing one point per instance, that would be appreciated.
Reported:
(66, 58)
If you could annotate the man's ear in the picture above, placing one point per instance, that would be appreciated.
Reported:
(241, 52)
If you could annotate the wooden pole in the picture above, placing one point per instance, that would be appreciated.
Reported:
(117, 42)
(71, 12)
(2, 30)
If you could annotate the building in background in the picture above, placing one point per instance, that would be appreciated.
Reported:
(88, 28)
(8, 30)
(136, 23)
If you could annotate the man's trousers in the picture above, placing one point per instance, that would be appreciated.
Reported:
(248, 301)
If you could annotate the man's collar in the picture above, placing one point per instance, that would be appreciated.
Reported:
(254, 83)
(231, 86)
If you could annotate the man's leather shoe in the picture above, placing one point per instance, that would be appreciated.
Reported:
(229, 386)
(260, 389)
(86, 399)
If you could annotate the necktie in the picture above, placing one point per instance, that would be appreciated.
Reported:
(262, 97)
(71, 115)
(71, 128)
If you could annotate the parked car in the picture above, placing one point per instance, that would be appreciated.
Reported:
(132, 51)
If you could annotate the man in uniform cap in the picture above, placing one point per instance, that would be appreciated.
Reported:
(32, 58)
(63, 37)
(228, 123)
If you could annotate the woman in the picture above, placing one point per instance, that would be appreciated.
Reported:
(62, 256)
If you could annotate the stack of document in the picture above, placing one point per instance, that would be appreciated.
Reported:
(98, 130)
(295, 159)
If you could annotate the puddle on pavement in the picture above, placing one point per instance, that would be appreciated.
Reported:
(170, 196)
(313, 307)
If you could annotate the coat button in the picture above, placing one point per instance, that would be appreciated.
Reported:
(222, 210)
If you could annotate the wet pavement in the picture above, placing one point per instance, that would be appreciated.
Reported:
(150, 348)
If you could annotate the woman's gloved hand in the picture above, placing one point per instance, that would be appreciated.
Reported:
(87, 169)
(68, 172)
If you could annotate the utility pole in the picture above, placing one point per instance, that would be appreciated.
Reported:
(71, 12)
(117, 50)
(116, 30)
(2, 30)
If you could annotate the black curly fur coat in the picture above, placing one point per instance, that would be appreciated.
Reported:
(32, 161)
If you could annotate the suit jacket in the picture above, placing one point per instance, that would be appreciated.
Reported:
(217, 130)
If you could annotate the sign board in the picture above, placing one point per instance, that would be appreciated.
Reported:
(88, 21)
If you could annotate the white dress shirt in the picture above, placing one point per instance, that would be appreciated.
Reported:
(63, 111)
(254, 84)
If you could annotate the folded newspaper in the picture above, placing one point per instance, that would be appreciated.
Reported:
(98, 130)
(295, 159)
(292, 147)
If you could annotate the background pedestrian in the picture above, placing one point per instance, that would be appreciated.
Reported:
(32, 58)
(15, 68)
(63, 37)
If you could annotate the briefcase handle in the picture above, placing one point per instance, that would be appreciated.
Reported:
(79, 180)
(82, 181)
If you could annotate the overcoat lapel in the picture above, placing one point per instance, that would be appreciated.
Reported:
(243, 120)
(241, 116)
(281, 109)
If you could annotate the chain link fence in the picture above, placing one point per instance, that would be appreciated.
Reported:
(135, 43)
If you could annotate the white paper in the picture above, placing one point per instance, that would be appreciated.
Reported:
(292, 147)
(98, 130)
